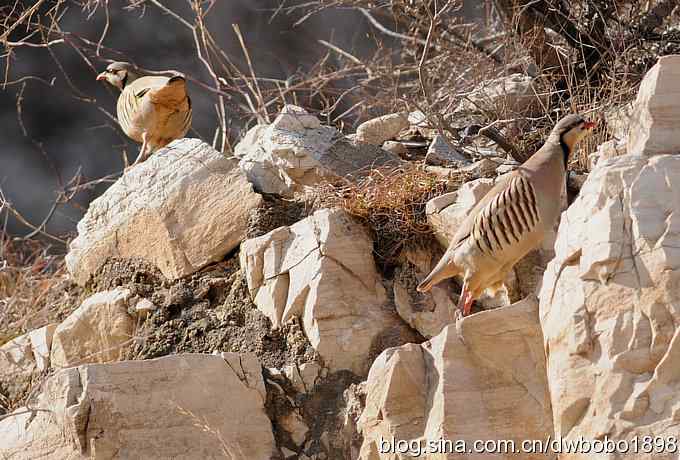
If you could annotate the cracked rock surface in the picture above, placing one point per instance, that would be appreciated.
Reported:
(321, 269)
(202, 405)
(611, 330)
(183, 208)
(295, 152)
(483, 378)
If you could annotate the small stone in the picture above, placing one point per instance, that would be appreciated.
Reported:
(293, 374)
(294, 424)
(287, 453)
(296, 119)
(506, 168)
(27, 353)
(418, 120)
(381, 129)
(325, 442)
(482, 168)
(446, 212)
(441, 153)
(145, 306)
(395, 147)
(309, 373)
(506, 96)
(99, 331)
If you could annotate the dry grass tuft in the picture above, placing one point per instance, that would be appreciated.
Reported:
(391, 202)
(34, 287)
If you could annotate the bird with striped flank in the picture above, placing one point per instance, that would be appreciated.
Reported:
(511, 219)
(153, 110)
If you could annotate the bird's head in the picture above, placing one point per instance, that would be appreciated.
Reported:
(118, 74)
(570, 130)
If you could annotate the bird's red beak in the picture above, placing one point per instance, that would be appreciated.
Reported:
(101, 76)
(589, 125)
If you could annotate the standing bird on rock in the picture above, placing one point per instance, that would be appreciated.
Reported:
(511, 219)
(153, 110)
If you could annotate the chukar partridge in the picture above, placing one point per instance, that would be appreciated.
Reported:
(153, 110)
(511, 219)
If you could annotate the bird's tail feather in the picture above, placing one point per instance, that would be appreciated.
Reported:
(444, 269)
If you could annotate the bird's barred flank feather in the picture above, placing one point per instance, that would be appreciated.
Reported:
(507, 218)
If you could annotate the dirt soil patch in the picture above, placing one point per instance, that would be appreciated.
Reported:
(206, 312)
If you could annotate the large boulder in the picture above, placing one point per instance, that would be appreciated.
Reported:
(656, 111)
(182, 406)
(99, 331)
(321, 270)
(609, 302)
(296, 152)
(181, 209)
(484, 381)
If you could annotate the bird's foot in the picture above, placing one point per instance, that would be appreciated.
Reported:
(465, 302)
(467, 307)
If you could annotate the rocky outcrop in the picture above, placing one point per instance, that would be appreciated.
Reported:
(321, 270)
(609, 300)
(484, 381)
(182, 406)
(99, 331)
(611, 325)
(183, 208)
(296, 152)
(656, 111)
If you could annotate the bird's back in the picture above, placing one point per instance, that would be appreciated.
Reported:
(156, 105)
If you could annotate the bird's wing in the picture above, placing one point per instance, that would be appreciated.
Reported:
(505, 217)
(465, 227)
(165, 98)
(171, 92)
(131, 100)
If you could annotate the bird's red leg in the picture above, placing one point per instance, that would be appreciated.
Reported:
(463, 296)
(468, 303)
